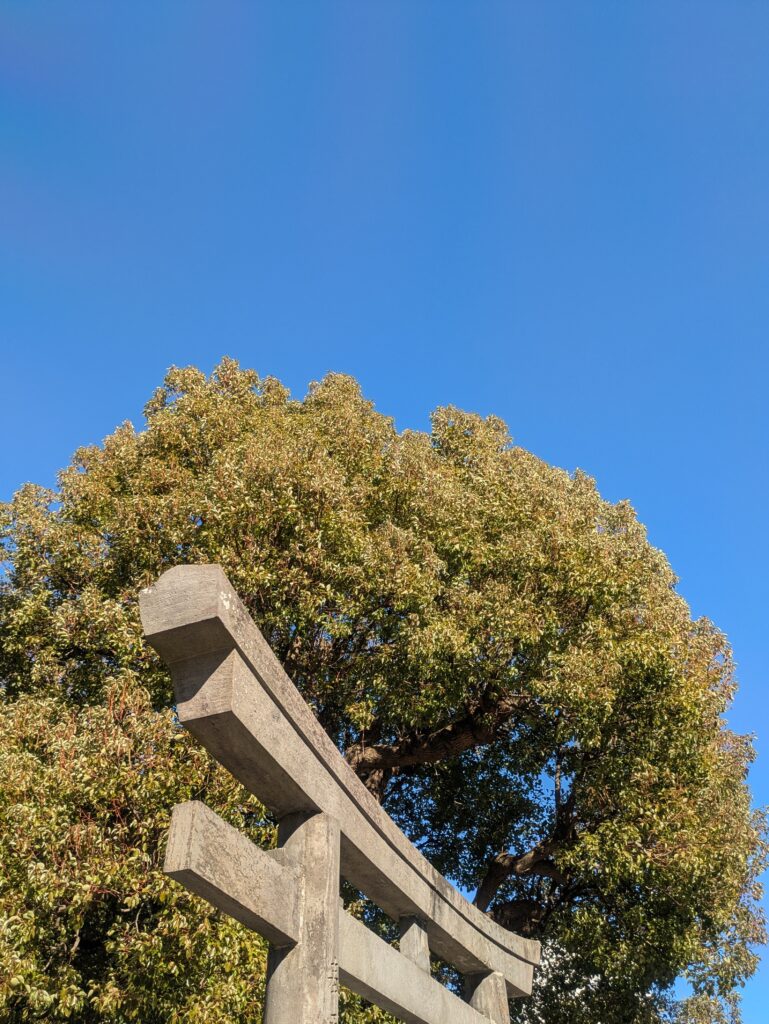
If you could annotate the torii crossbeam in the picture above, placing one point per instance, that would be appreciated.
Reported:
(233, 695)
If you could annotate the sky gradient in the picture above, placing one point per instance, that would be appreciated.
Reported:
(554, 212)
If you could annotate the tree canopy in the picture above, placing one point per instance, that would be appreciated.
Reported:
(500, 654)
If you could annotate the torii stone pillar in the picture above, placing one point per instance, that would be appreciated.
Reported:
(303, 981)
(233, 695)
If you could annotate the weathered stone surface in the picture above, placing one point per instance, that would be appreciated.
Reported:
(487, 993)
(376, 971)
(303, 981)
(235, 697)
(214, 860)
(414, 943)
(290, 895)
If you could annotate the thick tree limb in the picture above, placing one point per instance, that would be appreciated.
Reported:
(376, 782)
(480, 726)
(536, 861)
(522, 916)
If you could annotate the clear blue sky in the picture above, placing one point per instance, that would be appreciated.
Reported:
(555, 212)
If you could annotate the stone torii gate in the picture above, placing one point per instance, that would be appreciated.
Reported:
(233, 695)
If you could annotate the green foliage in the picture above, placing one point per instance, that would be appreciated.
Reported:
(499, 652)
(91, 929)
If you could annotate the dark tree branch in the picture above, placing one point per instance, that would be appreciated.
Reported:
(479, 727)
(536, 861)
(376, 782)
(522, 916)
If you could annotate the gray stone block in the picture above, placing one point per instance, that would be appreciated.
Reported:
(234, 696)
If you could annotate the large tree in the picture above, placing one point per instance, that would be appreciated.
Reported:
(499, 653)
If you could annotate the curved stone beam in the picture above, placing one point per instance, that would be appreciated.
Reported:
(233, 695)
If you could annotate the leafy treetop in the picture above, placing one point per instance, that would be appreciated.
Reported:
(499, 653)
